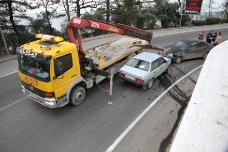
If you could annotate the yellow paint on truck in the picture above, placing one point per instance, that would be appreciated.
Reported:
(58, 85)
(50, 69)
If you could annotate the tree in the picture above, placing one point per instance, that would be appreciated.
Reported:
(167, 12)
(125, 12)
(66, 8)
(108, 10)
(50, 12)
(12, 11)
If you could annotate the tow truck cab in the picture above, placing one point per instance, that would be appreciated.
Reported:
(47, 68)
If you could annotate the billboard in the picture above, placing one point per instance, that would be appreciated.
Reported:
(192, 6)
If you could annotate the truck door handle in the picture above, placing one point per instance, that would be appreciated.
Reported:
(73, 75)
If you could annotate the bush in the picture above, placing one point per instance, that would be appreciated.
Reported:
(224, 21)
(210, 21)
(198, 23)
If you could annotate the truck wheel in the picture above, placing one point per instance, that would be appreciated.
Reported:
(77, 95)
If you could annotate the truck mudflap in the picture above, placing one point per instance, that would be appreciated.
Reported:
(48, 102)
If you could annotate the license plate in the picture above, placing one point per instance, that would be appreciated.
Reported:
(31, 81)
(130, 77)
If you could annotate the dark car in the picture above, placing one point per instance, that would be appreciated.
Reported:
(188, 49)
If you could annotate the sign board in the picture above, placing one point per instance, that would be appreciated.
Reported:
(192, 6)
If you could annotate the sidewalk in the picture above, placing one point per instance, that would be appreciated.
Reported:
(205, 28)
(5, 58)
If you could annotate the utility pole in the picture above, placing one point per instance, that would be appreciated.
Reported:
(227, 10)
(107, 10)
(4, 41)
(181, 12)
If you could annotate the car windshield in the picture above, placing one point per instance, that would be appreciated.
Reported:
(179, 47)
(36, 67)
(139, 64)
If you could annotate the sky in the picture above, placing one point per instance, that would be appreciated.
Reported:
(58, 22)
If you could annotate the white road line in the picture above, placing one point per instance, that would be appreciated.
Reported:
(4, 75)
(125, 132)
(12, 104)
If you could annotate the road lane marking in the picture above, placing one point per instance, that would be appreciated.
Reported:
(130, 126)
(4, 75)
(12, 104)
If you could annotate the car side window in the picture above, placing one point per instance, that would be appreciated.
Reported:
(151, 66)
(161, 60)
(155, 65)
(201, 45)
(192, 48)
(63, 62)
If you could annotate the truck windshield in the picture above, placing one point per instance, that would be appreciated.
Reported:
(139, 64)
(38, 67)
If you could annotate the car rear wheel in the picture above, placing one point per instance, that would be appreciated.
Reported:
(77, 96)
(178, 59)
(149, 85)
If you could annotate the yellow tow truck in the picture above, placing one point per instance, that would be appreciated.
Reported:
(55, 72)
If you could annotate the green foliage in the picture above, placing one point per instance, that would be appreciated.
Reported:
(41, 25)
(198, 23)
(125, 12)
(167, 13)
(210, 21)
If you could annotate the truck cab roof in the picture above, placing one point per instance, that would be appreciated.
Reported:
(48, 47)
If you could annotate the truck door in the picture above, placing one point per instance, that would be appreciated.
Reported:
(64, 72)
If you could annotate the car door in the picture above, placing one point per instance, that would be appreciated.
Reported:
(163, 65)
(153, 66)
(190, 52)
(155, 69)
(202, 48)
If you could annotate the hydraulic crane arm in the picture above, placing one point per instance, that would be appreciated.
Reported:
(78, 23)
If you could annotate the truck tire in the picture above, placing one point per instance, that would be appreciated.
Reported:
(77, 95)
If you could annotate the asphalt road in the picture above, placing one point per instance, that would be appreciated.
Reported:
(92, 127)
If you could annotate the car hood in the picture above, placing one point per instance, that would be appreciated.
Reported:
(133, 71)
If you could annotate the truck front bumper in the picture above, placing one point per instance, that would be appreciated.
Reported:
(48, 102)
